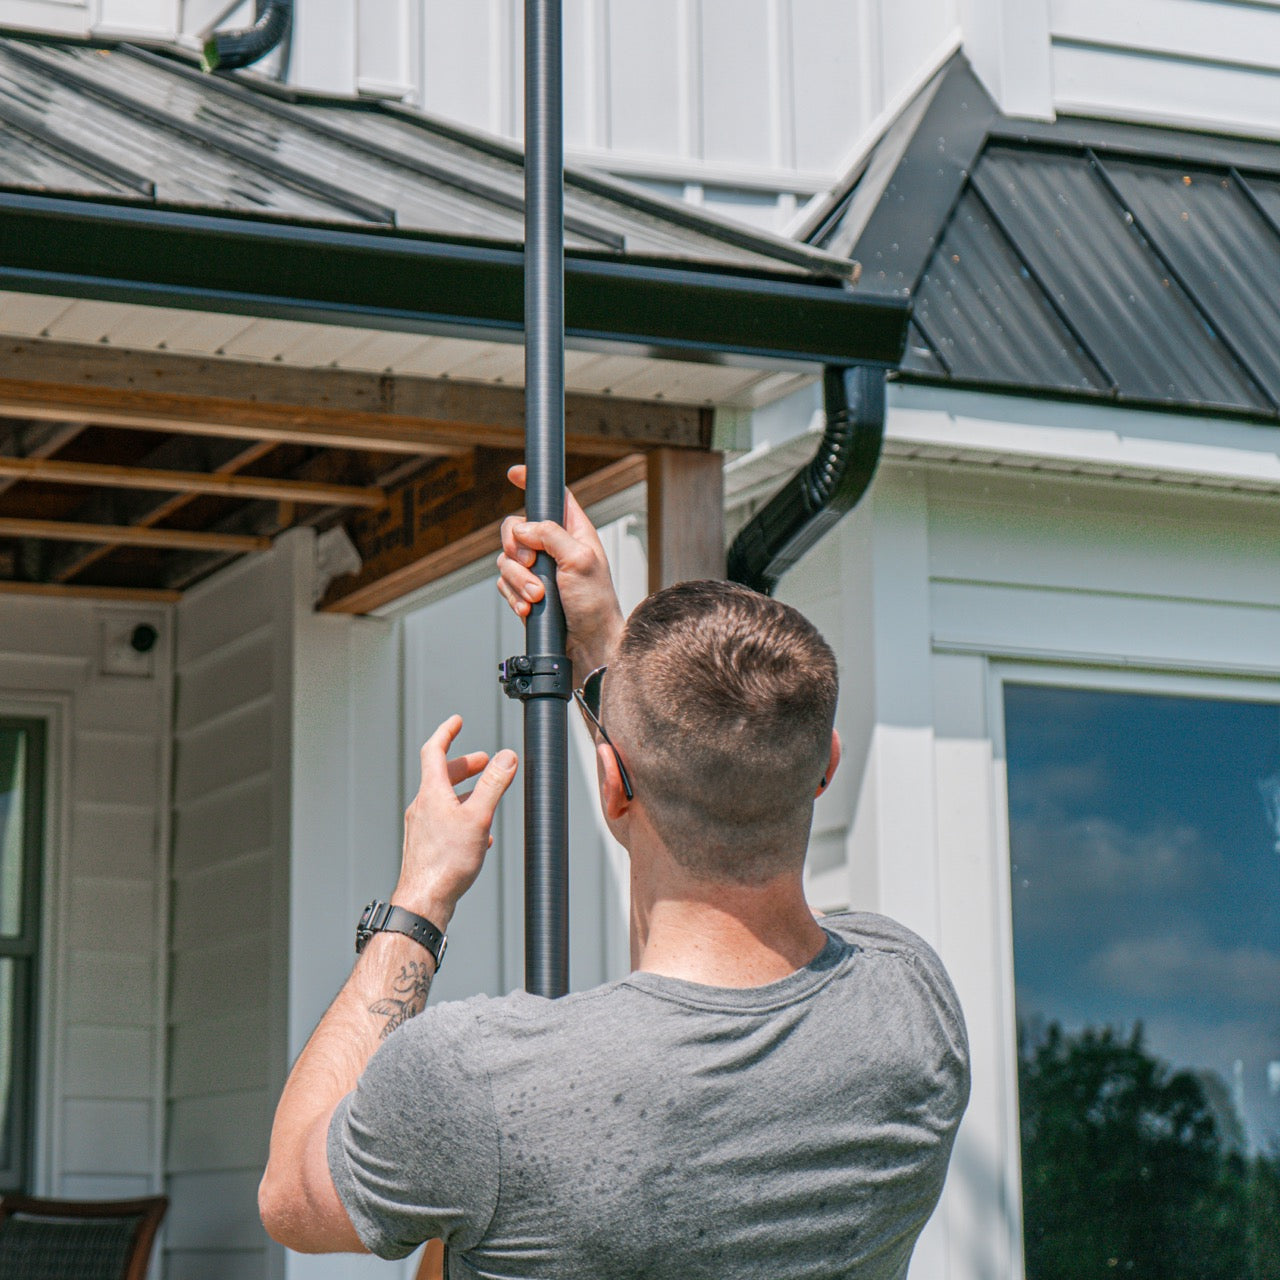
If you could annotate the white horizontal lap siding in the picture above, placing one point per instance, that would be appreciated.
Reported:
(1202, 62)
(102, 967)
(229, 922)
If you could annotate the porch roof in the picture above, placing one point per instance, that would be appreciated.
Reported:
(227, 307)
(1083, 258)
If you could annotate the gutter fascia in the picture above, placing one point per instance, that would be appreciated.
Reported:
(203, 261)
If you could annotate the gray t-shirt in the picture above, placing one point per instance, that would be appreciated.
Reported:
(658, 1128)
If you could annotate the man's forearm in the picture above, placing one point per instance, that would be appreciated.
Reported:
(387, 987)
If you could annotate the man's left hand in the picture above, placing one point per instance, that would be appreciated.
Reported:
(446, 836)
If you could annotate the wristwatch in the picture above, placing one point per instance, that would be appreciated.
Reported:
(382, 916)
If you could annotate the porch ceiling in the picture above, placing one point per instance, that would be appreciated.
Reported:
(227, 309)
(140, 473)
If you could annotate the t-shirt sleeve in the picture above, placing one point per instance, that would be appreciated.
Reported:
(413, 1150)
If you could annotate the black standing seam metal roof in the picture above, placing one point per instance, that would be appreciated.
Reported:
(128, 175)
(1084, 258)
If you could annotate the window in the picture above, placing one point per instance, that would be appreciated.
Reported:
(1145, 872)
(22, 745)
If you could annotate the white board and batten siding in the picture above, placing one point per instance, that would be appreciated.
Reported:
(102, 971)
(747, 107)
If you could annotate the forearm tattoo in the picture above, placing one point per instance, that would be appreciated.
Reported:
(411, 985)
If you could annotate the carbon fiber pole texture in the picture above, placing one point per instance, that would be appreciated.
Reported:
(546, 792)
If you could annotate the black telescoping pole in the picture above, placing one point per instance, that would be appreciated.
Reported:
(546, 744)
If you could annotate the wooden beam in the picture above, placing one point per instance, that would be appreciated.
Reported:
(129, 535)
(362, 594)
(686, 516)
(328, 407)
(223, 461)
(37, 440)
(61, 591)
(227, 485)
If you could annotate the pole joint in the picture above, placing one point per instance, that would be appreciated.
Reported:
(529, 675)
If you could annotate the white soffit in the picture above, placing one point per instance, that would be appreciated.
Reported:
(307, 345)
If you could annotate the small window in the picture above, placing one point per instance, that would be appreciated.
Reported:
(22, 757)
(1145, 848)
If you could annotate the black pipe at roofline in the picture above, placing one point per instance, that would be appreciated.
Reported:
(230, 50)
(815, 498)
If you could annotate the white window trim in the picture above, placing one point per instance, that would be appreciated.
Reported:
(1085, 674)
(51, 985)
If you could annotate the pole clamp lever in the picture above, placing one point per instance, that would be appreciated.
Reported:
(530, 675)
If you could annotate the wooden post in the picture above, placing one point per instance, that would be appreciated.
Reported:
(686, 516)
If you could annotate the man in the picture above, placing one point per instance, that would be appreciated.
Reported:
(764, 1096)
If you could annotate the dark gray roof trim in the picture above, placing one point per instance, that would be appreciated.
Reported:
(1081, 258)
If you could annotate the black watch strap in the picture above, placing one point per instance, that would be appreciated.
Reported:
(382, 916)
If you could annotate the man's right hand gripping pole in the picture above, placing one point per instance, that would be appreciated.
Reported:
(590, 603)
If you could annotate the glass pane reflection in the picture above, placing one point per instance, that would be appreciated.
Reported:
(1146, 912)
(10, 1117)
(13, 767)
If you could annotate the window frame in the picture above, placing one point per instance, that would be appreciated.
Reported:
(1092, 677)
(25, 949)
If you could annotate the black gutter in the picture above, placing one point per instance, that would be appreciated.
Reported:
(398, 279)
(815, 498)
(229, 50)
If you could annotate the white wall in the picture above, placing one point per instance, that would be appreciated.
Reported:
(1208, 63)
(1204, 63)
(949, 579)
(745, 106)
(227, 1007)
(451, 653)
(103, 970)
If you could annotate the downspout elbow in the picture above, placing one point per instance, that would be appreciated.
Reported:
(811, 502)
(230, 50)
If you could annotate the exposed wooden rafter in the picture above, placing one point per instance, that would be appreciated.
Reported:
(36, 440)
(227, 485)
(397, 561)
(222, 456)
(130, 535)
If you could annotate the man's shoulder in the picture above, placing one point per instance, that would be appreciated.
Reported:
(873, 932)
(882, 934)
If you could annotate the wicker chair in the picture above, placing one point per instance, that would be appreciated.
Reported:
(80, 1239)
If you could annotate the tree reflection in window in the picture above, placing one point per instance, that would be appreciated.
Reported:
(1146, 904)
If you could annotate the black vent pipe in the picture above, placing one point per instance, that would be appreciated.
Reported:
(802, 511)
(230, 50)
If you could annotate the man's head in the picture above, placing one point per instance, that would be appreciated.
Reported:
(722, 701)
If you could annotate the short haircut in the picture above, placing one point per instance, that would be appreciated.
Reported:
(722, 701)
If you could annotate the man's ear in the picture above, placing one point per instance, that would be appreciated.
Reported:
(833, 763)
(613, 796)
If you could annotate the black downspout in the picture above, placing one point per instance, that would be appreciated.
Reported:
(811, 502)
(230, 50)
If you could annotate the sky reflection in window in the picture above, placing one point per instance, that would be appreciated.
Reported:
(1146, 922)
(1146, 879)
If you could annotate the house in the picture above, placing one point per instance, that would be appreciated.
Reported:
(1057, 610)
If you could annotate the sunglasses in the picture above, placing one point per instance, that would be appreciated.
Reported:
(588, 698)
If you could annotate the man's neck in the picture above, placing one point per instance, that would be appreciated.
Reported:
(719, 933)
